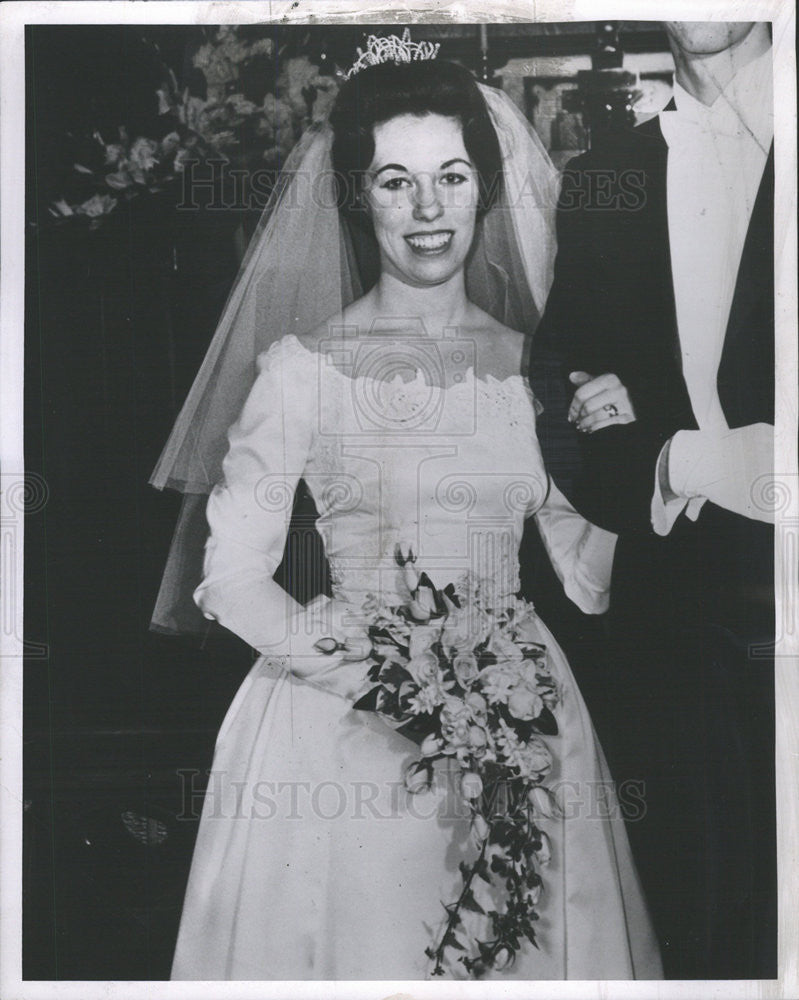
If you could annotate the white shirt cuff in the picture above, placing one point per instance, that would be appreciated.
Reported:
(663, 512)
(682, 459)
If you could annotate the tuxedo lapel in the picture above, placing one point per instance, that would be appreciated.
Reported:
(656, 153)
(745, 378)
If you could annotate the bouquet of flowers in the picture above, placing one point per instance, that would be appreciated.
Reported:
(471, 685)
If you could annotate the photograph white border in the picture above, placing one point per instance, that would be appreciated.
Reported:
(13, 18)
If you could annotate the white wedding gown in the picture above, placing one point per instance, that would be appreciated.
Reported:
(311, 860)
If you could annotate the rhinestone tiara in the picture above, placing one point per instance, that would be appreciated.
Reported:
(392, 48)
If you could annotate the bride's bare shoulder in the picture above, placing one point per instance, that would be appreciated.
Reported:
(357, 316)
(502, 346)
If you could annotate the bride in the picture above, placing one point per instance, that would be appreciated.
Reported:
(404, 411)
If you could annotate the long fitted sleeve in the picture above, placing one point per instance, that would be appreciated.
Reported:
(249, 511)
(581, 553)
(249, 514)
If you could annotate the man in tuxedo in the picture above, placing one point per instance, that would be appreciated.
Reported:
(661, 316)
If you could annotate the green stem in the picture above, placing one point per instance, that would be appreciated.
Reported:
(453, 913)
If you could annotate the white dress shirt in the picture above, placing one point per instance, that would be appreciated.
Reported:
(715, 164)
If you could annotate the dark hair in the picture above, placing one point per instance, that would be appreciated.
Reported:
(379, 93)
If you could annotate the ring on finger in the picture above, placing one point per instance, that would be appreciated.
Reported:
(611, 409)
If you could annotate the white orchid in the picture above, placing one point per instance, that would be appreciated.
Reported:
(428, 698)
(497, 682)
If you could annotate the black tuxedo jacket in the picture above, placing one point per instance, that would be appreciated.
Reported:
(611, 309)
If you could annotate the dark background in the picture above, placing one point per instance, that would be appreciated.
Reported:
(120, 721)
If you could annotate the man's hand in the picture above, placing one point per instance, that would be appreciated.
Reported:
(600, 401)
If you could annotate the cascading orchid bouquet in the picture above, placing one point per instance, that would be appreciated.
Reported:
(470, 684)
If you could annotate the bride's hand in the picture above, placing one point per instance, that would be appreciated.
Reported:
(600, 401)
(348, 624)
(329, 647)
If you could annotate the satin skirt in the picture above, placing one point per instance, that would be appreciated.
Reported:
(313, 863)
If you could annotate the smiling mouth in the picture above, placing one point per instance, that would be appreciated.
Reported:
(430, 243)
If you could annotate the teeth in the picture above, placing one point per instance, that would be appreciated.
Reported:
(433, 242)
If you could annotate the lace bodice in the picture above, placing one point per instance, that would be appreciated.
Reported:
(451, 470)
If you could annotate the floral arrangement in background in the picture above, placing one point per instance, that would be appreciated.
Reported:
(224, 102)
(221, 113)
(472, 686)
(220, 57)
(125, 168)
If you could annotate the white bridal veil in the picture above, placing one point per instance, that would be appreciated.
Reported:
(299, 270)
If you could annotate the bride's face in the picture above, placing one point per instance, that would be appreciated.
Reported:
(422, 192)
